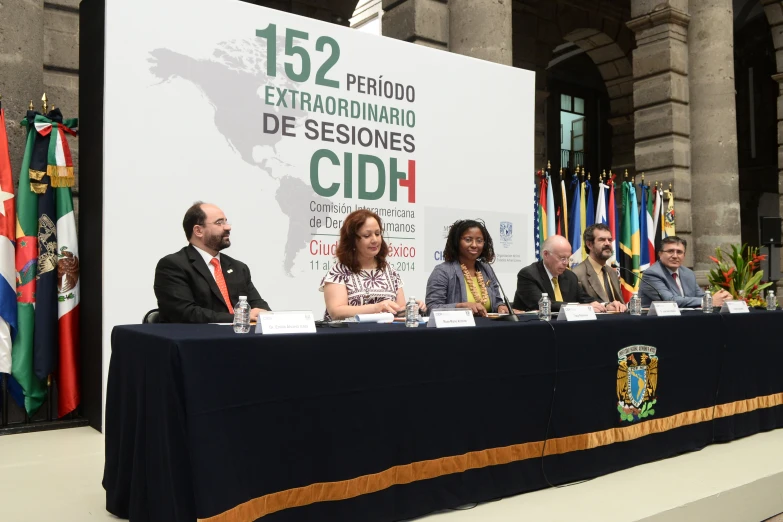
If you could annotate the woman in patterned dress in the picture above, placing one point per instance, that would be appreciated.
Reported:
(361, 281)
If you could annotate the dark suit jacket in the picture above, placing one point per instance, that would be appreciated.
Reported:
(187, 291)
(532, 281)
(591, 282)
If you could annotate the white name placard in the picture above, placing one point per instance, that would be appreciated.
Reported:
(576, 313)
(664, 309)
(285, 322)
(450, 318)
(734, 307)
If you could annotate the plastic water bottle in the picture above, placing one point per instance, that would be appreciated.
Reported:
(771, 302)
(411, 311)
(544, 307)
(635, 304)
(706, 302)
(242, 315)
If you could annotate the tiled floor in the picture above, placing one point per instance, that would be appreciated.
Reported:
(723, 483)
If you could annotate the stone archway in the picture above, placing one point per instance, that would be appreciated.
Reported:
(615, 68)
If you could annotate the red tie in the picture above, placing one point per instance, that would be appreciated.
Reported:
(221, 283)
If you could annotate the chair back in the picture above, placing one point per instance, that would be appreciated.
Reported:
(153, 316)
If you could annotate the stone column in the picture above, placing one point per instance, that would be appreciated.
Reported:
(662, 126)
(481, 29)
(714, 170)
(21, 59)
(423, 22)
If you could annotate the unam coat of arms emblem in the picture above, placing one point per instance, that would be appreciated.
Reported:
(637, 382)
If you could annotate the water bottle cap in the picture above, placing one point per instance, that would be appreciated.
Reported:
(411, 298)
(707, 291)
(636, 293)
(545, 294)
(243, 298)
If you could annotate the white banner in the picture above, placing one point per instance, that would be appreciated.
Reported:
(288, 124)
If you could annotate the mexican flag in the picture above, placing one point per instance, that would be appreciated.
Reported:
(67, 303)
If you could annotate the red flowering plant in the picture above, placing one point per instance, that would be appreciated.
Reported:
(743, 279)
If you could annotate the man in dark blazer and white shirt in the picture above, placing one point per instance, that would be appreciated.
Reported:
(597, 279)
(551, 275)
(198, 284)
(668, 280)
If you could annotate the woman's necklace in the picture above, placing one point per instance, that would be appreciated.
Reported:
(480, 295)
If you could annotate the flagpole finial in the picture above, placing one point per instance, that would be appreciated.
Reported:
(45, 105)
(561, 173)
(633, 180)
(588, 176)
(626, 173)
(31, 107)
(670, 187)
(548, 164)
(642, 178)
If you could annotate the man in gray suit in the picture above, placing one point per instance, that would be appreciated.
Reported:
(597, 279)
(668, 280)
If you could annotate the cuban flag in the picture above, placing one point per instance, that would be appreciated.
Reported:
(7, 252)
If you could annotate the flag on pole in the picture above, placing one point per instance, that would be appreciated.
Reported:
(542, 217)
(611, 210)
(559, 223)
(590, 208)
(657, 220)
(583, 219)
(576, 223)
(564, 205)
(68, 287)
(650, 239)
(600, 208)
(46, 333)
(668, 226)
(629, 241)
(644, 252)
(7, 260)
(536, 230)
(551, 227)
(68, 297)
(27, 269)
(635, 235)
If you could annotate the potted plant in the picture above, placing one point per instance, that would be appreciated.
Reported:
(740, 274)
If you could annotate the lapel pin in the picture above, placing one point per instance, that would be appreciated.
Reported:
(229, 270)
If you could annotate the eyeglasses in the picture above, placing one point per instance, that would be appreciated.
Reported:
(379, 234)
(219, 222)
(674, 252)
(563, 260)
(469, 240)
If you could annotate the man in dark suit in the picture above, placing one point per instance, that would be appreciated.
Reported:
(198, 284)
(550, 275)
(668, 280)
(597, 279)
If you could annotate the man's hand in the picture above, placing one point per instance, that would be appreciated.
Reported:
(255, 311)
(598, 307)
(422, 305)
(720, 297)
(616, 306)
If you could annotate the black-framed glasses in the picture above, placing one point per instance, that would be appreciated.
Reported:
(674, 251)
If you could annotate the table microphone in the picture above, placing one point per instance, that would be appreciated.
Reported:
(643, 280)
(511, 315)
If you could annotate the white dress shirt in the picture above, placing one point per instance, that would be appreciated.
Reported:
(677, 280)
(208, 259)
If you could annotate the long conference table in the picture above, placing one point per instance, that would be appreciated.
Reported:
(375, 423)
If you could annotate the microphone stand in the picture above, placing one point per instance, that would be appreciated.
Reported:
(511, 315)
(641, 279)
